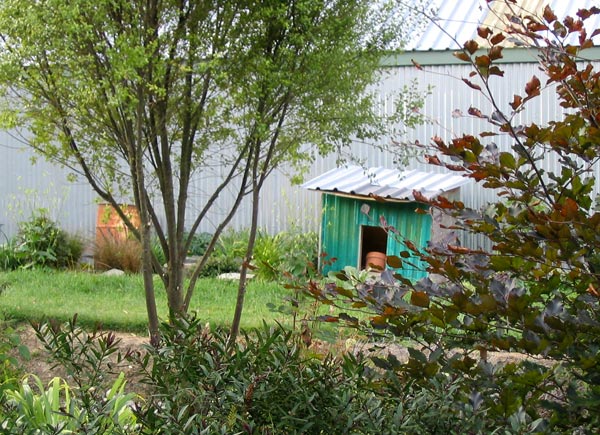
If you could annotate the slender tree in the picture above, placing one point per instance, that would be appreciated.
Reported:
(122, 93)
(139, 97)
(308, 70)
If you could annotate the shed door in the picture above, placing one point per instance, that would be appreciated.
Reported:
(372, 238)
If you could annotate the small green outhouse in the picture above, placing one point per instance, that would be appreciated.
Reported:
(374, 210)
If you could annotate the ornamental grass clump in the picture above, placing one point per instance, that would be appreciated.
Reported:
(116, 253)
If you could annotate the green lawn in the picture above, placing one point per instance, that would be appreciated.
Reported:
(117, 302)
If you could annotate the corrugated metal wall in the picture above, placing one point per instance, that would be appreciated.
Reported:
(341, 230)
(450, 93)
(25, 186)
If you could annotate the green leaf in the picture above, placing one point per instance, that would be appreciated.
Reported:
(24, 351)
(507, 160)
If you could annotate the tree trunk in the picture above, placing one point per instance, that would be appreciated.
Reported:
(239, 305)
(175, 288)
(153, 324)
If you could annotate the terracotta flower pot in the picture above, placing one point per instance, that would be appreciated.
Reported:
(376, 260)
(110, 225)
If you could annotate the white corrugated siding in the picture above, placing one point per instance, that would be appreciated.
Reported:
(26, 186)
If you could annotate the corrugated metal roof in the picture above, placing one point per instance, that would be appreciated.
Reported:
(386, 183)
(458, 20)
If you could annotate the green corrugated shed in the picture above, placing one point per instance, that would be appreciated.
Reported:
(346, 231)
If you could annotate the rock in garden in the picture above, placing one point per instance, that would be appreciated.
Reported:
(114, 272)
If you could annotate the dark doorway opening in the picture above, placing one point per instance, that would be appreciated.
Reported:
(371, 239)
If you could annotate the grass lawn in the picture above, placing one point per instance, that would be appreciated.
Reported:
(117, 302)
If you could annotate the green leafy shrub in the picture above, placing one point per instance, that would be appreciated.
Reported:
(9, 365)
(219, 263)
(233, 243)
(9, 259)
(116, 253)
(73, 250)
(158, 251)
(268, 385)
(265, 385)
(289, 252)
(95, 401)
(199, 243)
(85, 356)
(228, 254)
(267, 256)
(299, 252)
(41, 243)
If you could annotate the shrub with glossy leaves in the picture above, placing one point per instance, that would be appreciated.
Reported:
(266, 384)
(10, 346)
(91, 400)
(199, 243)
